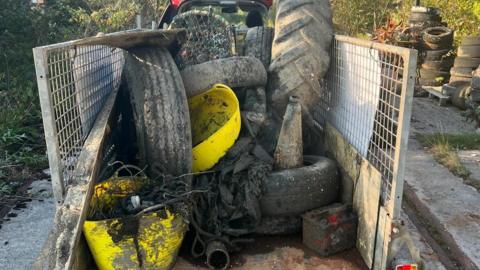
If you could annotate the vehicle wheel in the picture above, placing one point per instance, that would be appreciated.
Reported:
(438, 35)
(237, 71)
(295, 191)
(433, 74)
(300, 52)
(461, 72)
(471, 41)
(160, 111)
(279, 225)
(469, 51)
(466, 62)
(435, 55)
(258, 44)
(442, 65)
(430, 82)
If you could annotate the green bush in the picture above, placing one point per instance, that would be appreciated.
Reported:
(360, 17)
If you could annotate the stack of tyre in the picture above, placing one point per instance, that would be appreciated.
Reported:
(423, 17)
(437, 43)
(467, 60)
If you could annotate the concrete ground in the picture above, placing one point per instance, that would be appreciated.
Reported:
(22, 237)
(446, 207)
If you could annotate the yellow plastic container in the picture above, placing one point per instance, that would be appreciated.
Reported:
(215, 120)
(150, 241)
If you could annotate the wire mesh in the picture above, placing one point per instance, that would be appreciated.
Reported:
(79, 79)
(362, 101)
(209, 37)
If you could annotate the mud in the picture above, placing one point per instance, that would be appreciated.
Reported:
(281, 252)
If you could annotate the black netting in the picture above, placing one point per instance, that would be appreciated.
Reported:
(209, 37)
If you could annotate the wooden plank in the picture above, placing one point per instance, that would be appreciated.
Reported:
(129, 39)
(60, 249)
(366, 200)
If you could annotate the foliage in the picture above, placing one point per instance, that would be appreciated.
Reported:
(445, 153)
(361, 16)
(461, 15)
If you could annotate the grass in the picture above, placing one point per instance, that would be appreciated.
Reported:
(444, 148)
(22, 147)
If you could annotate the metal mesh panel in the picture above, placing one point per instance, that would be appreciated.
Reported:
(362, 101)
(78, 81)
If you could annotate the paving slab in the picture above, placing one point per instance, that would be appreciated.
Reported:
(22, 237)
(451, 207)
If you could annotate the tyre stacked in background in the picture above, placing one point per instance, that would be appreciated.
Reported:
(467, 60)
(474, 95)
(437, 43)
(423, 17)
(434, 46)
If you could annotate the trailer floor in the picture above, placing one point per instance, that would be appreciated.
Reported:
(281, 252)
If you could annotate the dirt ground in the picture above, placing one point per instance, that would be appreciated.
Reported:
(428, 117)
(283, 253)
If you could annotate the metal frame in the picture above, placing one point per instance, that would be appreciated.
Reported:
(73, 83)
(388, 140)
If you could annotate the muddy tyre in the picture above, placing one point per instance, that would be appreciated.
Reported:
(258, 44)
(435, 55)
(234, 72)
(442, 65)
(300, 52)
(295, 191)
(160, 111)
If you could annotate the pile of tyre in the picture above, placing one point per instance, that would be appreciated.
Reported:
(437, 43)
(296, 56)
(467, 60)
(423, 17)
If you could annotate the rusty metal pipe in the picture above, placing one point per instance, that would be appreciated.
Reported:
(217, 256)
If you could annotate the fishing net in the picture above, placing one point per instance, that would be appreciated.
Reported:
(209, 37)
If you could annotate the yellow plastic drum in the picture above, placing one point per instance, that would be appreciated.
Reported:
(150, 241)
(215, 120)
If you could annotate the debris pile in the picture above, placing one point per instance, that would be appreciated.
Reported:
(218, 152)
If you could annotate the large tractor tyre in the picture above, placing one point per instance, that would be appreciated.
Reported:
(258, 44)
(234, 72)
(161, 112)
(300, 52)
(294, 191)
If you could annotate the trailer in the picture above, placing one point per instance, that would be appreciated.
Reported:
(365, 113)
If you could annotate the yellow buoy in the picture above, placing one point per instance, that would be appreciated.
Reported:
(215, 121)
